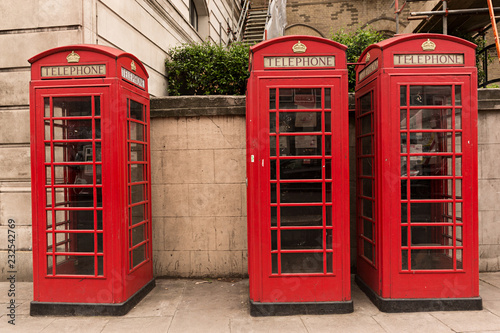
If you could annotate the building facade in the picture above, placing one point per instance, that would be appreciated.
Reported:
(145, 28)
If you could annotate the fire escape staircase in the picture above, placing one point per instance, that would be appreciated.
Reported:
(252, 23)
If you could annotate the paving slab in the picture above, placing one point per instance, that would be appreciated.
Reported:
(490, 278)
(411, 322)
(493, 306)
(352, 323)
(292, 324)
(203, 321)
(76, 325)
(145, 324)
(488, 291)
(24, 323)
(469, 321)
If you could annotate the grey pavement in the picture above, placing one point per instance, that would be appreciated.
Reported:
(212, 305)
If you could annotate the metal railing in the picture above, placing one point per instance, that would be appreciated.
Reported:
(485, 59)
(241, 22)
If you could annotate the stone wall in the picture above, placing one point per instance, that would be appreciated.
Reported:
(198, 186)
(489, 179)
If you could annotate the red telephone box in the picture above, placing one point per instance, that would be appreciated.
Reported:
(416, 145)
(91, 186)
(298, 177)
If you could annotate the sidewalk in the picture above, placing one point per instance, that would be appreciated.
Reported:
(182, 305)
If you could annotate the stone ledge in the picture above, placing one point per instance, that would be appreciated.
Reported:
(196, 106)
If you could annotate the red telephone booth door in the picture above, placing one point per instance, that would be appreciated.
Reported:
(76, 131)
(303, 225)
(433, 239)
(73, 246)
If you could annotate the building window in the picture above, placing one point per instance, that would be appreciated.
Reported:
(193, 15)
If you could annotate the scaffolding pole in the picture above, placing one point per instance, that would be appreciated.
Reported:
(494, 27)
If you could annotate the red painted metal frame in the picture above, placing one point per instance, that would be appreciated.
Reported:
(278, 287)
(385, 275)
(113, 281)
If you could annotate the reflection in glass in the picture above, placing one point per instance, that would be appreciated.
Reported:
(72, 106)
(365, 103)
(74, 242)
(367, 188)
(404, 213)
(329, 262)
(458, 142)
(430, 259)
(74, 265)
(328, 213)
(136, 110)
(328, 98)
(303, 145)
(272, 146)
(458, 118)
(404, 236)
(136, 152)
(403, 114)
(328, 122)
(274, 216)
(426, 189)
(272, 99)
(274, 263)
(274, 240)
(366, 145)
(301, 239)
(301, 192)
(430, 236)
(458, 95)
(367, 209)
(46, 107)
(459, 259)
(299, 98)
(428, 166)
(404, 260)
(137, 193)
(430, 95)
(137, 173)
(97, 106)
(366, 124)
(300, 122)
(138, 255)
(368, 250)
(273, 169)
(368, 229)
(402, 95)
(328, 145)
(431, 119)
(328, 192)
(137, 214)
(300, 216)
(138, 234)
(136, 131)
(300, 169)
(431, 212)
(74, 219)
(366, 166)
(429, 142)
(302, 263)
(328, 169)
(272, 122)
(273, 193)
